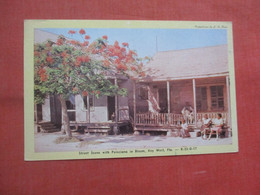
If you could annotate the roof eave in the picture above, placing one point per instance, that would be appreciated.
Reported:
(184, 77)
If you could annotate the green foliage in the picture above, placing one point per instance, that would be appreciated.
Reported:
(70, 67)
(122, 91)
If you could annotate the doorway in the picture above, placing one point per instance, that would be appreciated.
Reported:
(163, 100)
(111, 107)
(38, 113)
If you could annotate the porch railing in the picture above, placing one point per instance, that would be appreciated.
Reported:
(162, 119)
(158, 118)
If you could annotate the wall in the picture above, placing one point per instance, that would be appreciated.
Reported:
(81, 114)
(98, 113)
(180, 94)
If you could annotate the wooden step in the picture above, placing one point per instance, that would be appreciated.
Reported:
(48, 127)
(152, 129)
(44, 122)
(97, 130)
(98, 127)
(49, 130)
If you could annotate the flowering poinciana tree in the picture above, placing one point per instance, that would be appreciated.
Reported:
(72, 67)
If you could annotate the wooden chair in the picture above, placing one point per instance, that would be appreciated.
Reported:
(224, 131)
(214, 132)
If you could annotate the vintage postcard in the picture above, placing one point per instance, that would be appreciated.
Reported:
(115, 89)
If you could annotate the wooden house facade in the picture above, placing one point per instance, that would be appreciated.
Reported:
(103, 114)
(196, 77)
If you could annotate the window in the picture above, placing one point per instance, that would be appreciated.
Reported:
(91, 102)
(217, 97)
(201, 98)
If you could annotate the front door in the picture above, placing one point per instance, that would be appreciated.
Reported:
(55, 110)
(111, 107)
(38, 113)
(163, 99)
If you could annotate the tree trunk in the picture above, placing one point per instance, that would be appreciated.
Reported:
(66, 122)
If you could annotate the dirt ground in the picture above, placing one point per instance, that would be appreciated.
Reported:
(45, 142)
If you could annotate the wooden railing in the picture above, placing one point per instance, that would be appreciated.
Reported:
(158, 118)
(162, 119)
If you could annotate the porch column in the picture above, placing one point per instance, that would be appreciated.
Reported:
(168, 97)
(228, 101)
(36, 119)
(134, 102)
(194, 101)
(116, 110)
(116, 105)
(88, 106)
(36, 113)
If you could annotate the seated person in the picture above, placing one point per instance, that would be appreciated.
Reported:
(187, 113)
(206, 124)
(218, 125)
(184, 129)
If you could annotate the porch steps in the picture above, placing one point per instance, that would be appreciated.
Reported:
(47, 127)
(154, 128)
(98, 129)
(175, 128)
(109, 127)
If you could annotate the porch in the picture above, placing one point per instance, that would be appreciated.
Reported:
(172, 120)
(160, 108)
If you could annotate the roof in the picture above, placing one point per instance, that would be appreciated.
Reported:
(189, 63)
(40, 36)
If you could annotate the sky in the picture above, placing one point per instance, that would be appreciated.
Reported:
(146, 42)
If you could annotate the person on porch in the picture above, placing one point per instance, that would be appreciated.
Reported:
(187, 113)
(218, 125)
(207, 122)
(184, 129)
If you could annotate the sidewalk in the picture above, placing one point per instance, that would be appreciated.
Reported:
(45, 142)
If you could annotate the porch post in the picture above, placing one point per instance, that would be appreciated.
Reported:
(116, 110)
(36, 113)
(168, 97)
(134, 102)
(228, 101)
(36, 119)
(194, 101)
(88, 106)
